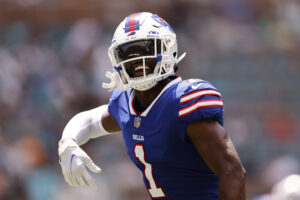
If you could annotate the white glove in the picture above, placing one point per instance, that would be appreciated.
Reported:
(73, 161)
(115, 82)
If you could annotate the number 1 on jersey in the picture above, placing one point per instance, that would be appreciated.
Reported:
(155, 192)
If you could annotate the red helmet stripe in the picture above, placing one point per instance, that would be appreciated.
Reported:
(132, 19)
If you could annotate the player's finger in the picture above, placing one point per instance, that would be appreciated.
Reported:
(84, 179)
(77, 183)
(89, 181)
(106, 85)
(67, 179)
(92, 166)
(71, 181)
(108, 74)
(81, 182)
(74, 181)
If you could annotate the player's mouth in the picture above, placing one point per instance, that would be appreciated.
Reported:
(139, 71)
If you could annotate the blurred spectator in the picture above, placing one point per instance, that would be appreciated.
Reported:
(287, 188)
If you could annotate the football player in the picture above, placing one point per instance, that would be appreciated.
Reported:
(172, 128)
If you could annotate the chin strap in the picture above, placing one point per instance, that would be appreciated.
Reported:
(178, 60)
(181, 57)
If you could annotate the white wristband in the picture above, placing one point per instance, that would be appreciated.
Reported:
(86, 125)
(66, 143)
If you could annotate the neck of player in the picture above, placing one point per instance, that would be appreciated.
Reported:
(145, 98)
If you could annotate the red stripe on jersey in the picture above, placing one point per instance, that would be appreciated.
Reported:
(199, 93)
(200, 104)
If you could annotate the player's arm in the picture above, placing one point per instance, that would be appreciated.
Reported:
(109, 123)
(90, 124)
(217, 150)
(82, 127)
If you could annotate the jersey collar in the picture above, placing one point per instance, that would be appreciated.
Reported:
(144, 114)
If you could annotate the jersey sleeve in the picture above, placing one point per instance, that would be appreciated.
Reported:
(113, 105)
(200, 100)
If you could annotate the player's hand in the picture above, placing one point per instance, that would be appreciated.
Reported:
(74, 161)
(115, 82)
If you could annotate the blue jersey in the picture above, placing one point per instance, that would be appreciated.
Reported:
(156, 139)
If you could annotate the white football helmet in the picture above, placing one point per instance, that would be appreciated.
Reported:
(143, 38)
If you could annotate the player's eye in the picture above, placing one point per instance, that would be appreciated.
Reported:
(137, 49)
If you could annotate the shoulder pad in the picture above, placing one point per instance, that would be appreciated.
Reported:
(199, 99)
(192, 85)
(117, 93)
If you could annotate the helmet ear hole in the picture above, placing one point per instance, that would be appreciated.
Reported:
(174, 54)
(175, 67)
